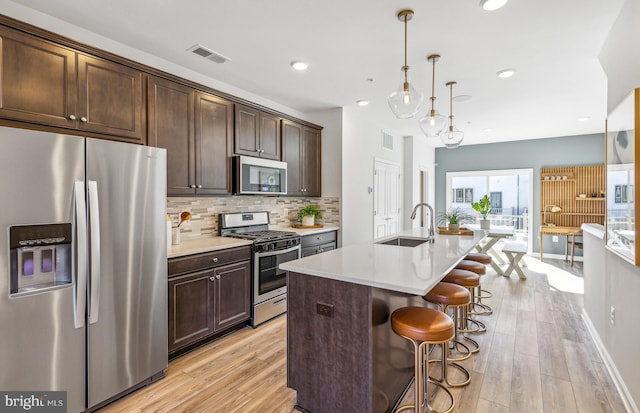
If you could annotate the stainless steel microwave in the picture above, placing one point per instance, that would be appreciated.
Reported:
(259, 176)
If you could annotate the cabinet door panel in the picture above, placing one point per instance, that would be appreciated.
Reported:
(190, 308)
(247, 131)
(110, 99)
(269, 136)
(291, 154)
(233, 294)
(37, 80)
(214, 140)
(171, 127)
(311, 162)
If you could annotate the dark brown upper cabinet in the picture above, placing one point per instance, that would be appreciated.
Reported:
(51, 85)
(301, 150)
(257, 133)
(197, 130)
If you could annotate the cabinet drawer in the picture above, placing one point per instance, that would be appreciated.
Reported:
(208, 260)
(316, 239)
(318, 249)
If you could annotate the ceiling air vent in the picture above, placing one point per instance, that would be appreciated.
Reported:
(387, 140)
(202, 51)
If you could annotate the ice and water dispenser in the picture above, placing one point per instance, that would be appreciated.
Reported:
(40, 256)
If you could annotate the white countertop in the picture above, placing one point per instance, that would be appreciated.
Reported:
(305, 231)
(412, 270)
(197, 246)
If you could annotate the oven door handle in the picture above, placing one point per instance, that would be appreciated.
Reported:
(277, 252)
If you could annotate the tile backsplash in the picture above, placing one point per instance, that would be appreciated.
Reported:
(204, 211)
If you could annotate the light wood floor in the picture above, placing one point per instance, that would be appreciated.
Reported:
(536, 356)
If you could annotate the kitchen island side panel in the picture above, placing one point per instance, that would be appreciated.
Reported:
(329, 358)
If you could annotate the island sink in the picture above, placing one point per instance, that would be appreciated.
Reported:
(404, 241)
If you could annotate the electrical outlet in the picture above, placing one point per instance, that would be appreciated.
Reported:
(555, 238)
(324, 309)
(613, 316)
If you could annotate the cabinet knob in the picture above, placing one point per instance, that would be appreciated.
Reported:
(217, 276)
(198, 186)
(83, 119)
(72, 117)
(215, 259)
(212, 278)
(192, 186)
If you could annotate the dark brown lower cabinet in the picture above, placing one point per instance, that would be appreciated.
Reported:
(318, 243)
(204, 303)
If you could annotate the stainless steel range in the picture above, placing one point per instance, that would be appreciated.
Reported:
(270, 249)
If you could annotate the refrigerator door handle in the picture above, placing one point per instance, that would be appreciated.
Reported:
(94, 227)
(80, 293)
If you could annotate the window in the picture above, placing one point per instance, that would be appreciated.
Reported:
(462, 195)
(496, 200)
(622, 193)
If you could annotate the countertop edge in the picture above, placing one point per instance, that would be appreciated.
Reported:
(596, 230)
(203, 245)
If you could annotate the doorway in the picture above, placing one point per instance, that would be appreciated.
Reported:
(386, 195)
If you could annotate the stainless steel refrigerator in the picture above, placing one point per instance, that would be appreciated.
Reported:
(83, 266)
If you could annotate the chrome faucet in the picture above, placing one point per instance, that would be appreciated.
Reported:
(431, 226)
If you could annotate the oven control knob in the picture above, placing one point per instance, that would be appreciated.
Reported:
(271, 246)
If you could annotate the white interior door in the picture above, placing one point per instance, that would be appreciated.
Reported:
(386, 193)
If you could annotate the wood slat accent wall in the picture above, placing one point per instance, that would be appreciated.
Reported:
(565, 194)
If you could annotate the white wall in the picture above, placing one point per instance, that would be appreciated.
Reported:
(419, 155)
(361, 143)
(611, 282)
(331, 120)
(620, 54)
(620, 59)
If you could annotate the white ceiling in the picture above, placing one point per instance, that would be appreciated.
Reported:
(553, 45)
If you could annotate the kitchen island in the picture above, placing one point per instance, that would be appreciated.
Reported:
(342, 355)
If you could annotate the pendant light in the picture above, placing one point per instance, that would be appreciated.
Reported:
(405, 101)
(452, 138)
(433, 124)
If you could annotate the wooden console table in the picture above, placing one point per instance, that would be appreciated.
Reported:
(547, 230)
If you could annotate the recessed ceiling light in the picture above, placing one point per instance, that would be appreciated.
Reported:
(487, 130)
(491, 5)
(362, 102)
(462, 98)
(505, 73)
(299, 65)
(584, 118)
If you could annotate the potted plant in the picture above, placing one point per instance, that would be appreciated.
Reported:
(483, 206)
(452, 218)
(308, 214)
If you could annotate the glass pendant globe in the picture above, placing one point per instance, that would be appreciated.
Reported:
(433, 124)
(405, 101)
(452, 138)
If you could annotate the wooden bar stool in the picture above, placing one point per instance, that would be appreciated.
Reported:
(452, 297)
(477, 307)
(470, 281)
(484, 259)
(423, 327)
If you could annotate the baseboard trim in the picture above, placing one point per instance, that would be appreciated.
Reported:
(556, 256)
(627, 400)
